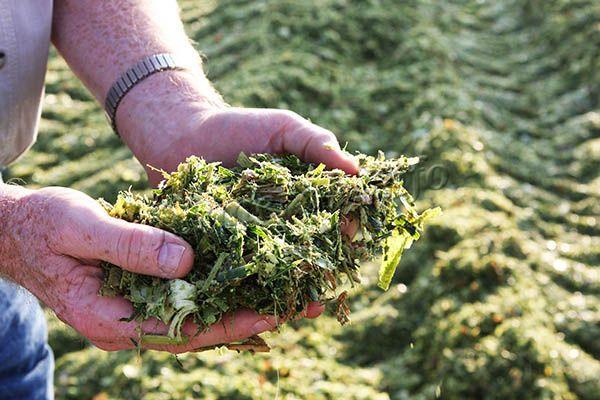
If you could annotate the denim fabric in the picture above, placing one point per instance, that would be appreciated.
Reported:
(26, 361)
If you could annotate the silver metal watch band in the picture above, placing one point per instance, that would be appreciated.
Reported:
(140, 71)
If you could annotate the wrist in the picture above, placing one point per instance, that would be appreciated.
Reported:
(11, 215)
(156, 110)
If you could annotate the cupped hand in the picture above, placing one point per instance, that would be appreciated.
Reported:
(54, 242)
(220, 134)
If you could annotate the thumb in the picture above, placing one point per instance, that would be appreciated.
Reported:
(137, 248)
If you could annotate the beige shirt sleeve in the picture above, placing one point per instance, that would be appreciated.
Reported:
(25, 27)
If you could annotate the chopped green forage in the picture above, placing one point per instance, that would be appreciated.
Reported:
(267, 236)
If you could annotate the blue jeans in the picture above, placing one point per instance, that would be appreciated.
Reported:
(26, 361)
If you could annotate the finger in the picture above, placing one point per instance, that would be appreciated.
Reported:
(349, 226)
(105, 320)
(134, 247)
(315, 144)
(232, 328)
(314, 309)
(96, 317)
(102, 320)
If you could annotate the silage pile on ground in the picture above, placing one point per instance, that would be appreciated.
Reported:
(500, 298)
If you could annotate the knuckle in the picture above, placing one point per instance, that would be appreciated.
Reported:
(133, 245)
(328, 136)
(232, 332)
(123, 246)
(288, 117)
(138, 246)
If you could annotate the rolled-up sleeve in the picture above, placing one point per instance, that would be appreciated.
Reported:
(25, 27)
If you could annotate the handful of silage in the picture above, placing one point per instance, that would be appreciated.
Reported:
(266, 235)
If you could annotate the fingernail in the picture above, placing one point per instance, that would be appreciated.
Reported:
(261, 326)
(169, 257)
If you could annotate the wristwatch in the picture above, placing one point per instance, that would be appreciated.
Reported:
(140, 71)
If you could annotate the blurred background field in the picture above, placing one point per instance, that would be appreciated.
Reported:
(499, 300)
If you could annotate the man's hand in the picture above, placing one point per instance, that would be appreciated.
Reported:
(51, 242)
(221, 134)
(163, 132)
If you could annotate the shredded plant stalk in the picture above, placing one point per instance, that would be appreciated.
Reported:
(267, 236)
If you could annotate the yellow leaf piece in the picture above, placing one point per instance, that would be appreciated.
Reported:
(393, 248)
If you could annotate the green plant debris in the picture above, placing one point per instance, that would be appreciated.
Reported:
(267, 235)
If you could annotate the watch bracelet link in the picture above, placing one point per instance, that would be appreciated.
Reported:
(140, 71)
